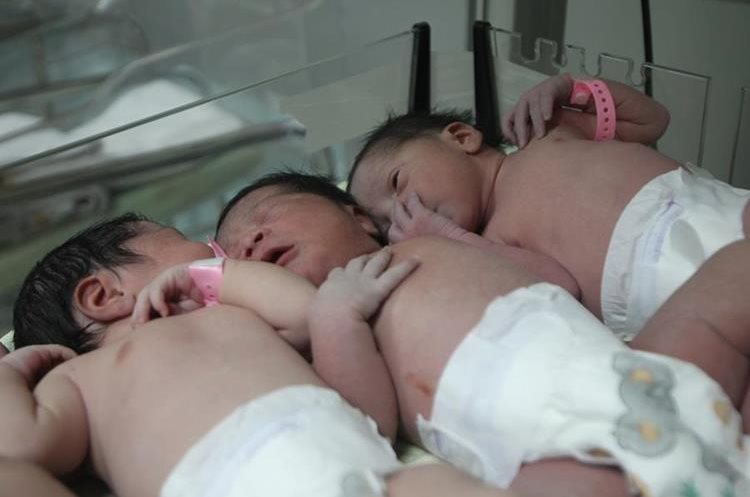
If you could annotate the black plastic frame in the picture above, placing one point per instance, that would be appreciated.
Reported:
(419, 83)
(486, 108)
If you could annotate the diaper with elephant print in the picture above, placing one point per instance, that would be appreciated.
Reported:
(539, 377)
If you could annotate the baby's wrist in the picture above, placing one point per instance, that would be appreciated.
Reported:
(582, 92)
(208, 276)
(570, 80)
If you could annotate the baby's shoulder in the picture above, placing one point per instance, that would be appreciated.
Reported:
(428, 246)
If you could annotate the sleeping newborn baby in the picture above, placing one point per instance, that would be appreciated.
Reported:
(628, 223)
(205, 401)
(495, 369)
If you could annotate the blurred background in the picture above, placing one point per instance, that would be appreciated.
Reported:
(170, 107)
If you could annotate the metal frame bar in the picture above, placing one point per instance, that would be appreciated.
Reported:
(485, 86)
(419, 82)
(648, 46)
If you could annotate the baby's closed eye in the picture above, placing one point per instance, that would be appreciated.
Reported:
(394, 180)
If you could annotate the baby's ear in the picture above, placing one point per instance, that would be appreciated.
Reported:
(467, 137)
(101, 298)
(364, 220)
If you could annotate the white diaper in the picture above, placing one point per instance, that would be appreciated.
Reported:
(672, 225)
(540, 377)
(297, 441)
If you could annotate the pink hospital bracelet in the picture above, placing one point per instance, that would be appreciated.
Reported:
(207, 274)
(605, 105)
(214, 245)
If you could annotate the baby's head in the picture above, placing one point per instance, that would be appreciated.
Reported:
(92, 279)
(439, 155)
(300, 221)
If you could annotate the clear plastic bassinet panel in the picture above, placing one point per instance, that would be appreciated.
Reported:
(684, 94)
(740, 172)
(180, 166)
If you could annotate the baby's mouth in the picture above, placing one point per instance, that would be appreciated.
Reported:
(280, 256)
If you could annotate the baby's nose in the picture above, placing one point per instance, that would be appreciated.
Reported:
(252, 244)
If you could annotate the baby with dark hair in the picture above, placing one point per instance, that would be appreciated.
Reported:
(628, 224)
(43, 311)
(207, 399)
(506, 375)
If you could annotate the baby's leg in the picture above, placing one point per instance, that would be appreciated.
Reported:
(19, 478)
(540, 479)
(440, 480)
(707, 321)
(563, 477)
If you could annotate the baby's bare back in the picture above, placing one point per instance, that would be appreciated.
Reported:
(562, 196)
(153, 394)
(425, 318)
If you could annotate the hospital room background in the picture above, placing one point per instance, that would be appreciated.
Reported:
(169, 107)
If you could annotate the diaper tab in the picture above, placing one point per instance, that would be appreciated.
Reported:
(462, 453)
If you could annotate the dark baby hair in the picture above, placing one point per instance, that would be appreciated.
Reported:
(43, 311)
(399, 129)
(294, 182)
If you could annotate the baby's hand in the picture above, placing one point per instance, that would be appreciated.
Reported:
(356, 292)
(172, 292)
(414, 219)
(34, 361)
(536, 106)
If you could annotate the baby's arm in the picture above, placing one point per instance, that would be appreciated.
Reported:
(344, 351)
(46, 423)
(639, 117)
(279, 296)
(23, 479)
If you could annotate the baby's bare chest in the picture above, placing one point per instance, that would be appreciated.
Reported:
(564, 183)
(165, 388)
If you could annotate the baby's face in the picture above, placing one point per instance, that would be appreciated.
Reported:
(305, 233)
(441, 174)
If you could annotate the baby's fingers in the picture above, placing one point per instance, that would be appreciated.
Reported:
(399, 215)
(159, 302)
(414, 204)
(395, 234)
(520, 123)
(149, 298)
(358, 263)
(390, 279)
(506, 125)
(183, 307)
(141, 309)
(537, 119)
(548, 105)
(377, 263)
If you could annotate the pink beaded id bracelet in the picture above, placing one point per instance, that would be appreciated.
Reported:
(605, 105)
(207, 274)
